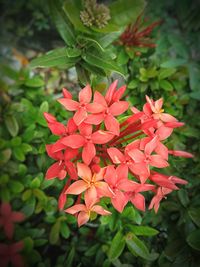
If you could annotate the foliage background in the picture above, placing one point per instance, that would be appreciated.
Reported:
(171, 70)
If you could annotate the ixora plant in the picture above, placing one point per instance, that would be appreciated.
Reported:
(101, 155)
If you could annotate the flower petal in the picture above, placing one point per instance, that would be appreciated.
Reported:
(99, 98)
(117, 108)
(95, 107)
(112, 124)
(91, 197)
(6, 209)
(95, 119)
(17, 216)
(80, 116)
(77, 187)
(116, 155)
(119, 201)
(54, 170)
(76, 208)
(85, 94)
(138, 201)
(83, 217)
(84, 171)
(150, 147)
(101, 137)
(136, 155)
(110, 91)
(100, 210)
(73, 141)
(88, 153)
(69, 104)
(158, 161)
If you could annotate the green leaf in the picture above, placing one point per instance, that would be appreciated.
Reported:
(64, 230)
(12, 125)
(35, 183)
(63, 25)
(92, 250)
(73, 52)
(102, 62)
(5, 156)
(194, 239)
(18, 153)
(54, 233)
(16, 187)
(124, 12)
(26, 148)
(28, 244)
(137, 247)
(117, 246)
(56, 57)
(165, 73)
(194, 214)
(34, 82)
(173, 63)
(164, 84)
(70, 257)
(26, 195)
(40, 242)
(72, 9)
(133, 84)
(183, 196)
(143, 230)
(29, 207)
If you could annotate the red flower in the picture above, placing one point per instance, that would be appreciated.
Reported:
(94, 138)
(86, 210)
(137, 35)
(63, 165)
(10, 254)
(8, 218)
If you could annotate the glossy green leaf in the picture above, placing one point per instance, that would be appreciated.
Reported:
(137, 247)
(5, 156)
(12, 125)
(63, 25)
(64, 230)
(183, 197)
(18, 153)
(143, 230)
(166, 85)
(54, 233)
(173, 63)
(16, 187)
(70, 257)
(117, 246)
(34, 82)
(73, 52)
(194, 214)
(165, 73)
(57, 57)
(194, 239)
(102, 62)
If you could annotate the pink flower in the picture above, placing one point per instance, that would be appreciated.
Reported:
(63, 165)
(111, 107)
(90, 182)
(160, 194)
(8, 218)
(87, 140)
(84, 211)
(142, 161)
(82, 107)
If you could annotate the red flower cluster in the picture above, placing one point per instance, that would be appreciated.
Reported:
(137, 35)
(10, 253)
(104, 157)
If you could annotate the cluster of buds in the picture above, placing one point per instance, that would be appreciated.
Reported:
(95, 14)
(10, 253)
(102, 156)
(136, 35)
